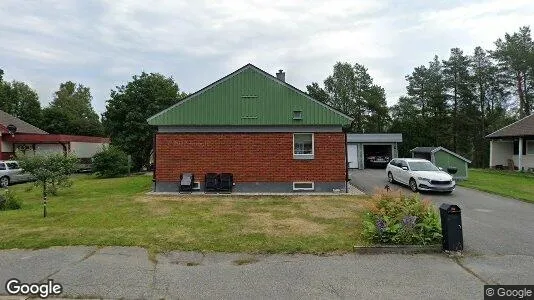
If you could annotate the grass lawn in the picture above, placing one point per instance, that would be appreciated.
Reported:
(118, 212)
(505, 183)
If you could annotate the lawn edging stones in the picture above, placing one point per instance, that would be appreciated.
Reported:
(397, 249)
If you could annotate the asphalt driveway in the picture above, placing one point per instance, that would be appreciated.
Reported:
(493, 225)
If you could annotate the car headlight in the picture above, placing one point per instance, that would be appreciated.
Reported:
(423, 178)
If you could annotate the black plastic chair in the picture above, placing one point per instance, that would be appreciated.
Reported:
(211, 182)
(226, 182)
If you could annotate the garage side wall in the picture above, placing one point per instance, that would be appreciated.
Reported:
(258, 161)
(446, 160)
(85, 149)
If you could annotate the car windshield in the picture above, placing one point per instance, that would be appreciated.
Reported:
(422, 166)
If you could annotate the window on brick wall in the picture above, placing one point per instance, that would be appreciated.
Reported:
(303, 144)
(303, 186)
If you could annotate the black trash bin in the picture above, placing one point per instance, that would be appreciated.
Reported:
(211, 182)
(187, 180)
(451, 227)
(226, 182)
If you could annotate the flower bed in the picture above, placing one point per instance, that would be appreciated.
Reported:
(397, 219)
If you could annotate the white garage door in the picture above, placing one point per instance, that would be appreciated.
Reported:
(352, 155)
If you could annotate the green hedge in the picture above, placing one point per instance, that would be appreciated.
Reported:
(111, 162)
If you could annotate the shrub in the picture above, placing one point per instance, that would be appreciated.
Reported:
(8, 201)
(111, 162)
(50, 171)
(401, 219)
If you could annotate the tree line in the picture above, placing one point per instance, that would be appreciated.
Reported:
(456, 102)
(453, 103)
(71, 111)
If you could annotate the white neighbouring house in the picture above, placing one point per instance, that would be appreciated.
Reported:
(513, 146)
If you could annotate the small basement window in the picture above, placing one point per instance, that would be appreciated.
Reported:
(303, 145)
(297, 115)
(196, 186)
(303, 186)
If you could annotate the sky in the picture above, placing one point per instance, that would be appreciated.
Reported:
(102, 44)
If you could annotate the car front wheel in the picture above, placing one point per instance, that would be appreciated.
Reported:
(413, 185)
(4, 182)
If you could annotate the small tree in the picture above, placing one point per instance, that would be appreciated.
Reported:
(111, 162)
(50, 170)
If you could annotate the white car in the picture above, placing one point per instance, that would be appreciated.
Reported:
(419, 175)
(10, 172)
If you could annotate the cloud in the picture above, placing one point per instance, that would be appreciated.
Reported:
(101, 44)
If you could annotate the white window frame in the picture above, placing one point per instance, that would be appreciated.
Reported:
(530, 147)
(196, 185)
(297, 115)
(304, 156)
(312, 188)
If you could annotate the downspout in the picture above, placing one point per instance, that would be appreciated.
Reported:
(155, 165)
(346, 166)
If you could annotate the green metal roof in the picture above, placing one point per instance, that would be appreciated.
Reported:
(248, 96)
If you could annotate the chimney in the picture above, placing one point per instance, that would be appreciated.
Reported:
(281, 75)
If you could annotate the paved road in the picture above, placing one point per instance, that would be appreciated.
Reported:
(121, 272)
(493, 225)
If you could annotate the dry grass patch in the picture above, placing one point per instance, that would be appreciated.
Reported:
(324, 209)
(265, 223)
(224, 207)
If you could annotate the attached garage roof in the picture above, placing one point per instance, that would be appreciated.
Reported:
(523, 127)
(249, 97)
(374, 138)
(22, 127)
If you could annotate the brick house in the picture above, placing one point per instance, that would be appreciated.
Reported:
(271, 136)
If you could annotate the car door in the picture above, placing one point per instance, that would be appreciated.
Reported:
(395, 169)
(404, 175)
(15, 172)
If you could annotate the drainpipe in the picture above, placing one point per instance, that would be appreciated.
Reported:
(155, 166)
(520, 157)
(346, 166)
(491, 164)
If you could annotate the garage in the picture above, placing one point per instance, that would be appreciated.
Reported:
(371, 150)
(377, 156)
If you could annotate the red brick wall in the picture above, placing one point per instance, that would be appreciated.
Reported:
(251, 157)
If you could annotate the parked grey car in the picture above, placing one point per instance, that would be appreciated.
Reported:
(10, 172)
